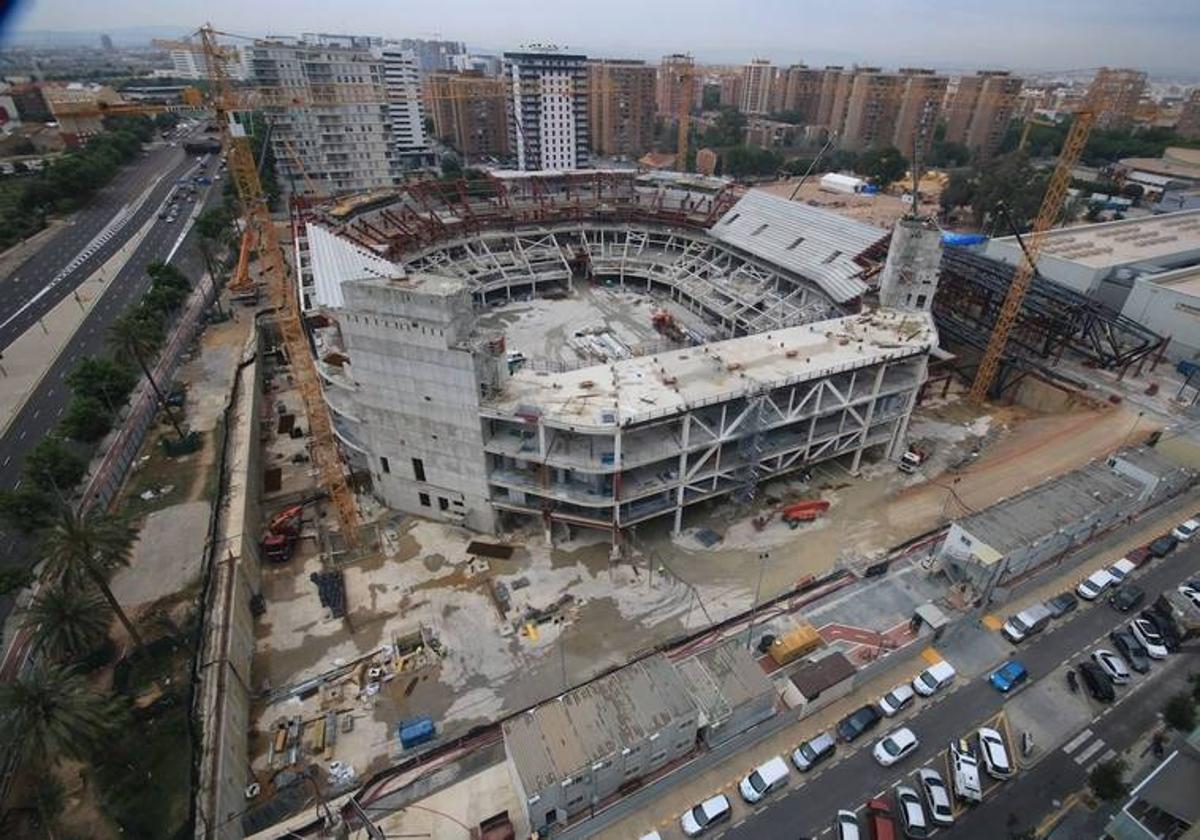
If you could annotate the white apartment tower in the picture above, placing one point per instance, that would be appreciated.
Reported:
(758, 80)
(548, 118)
(406, 108)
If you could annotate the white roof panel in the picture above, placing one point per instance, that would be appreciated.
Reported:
(813, 243)
(334, 260)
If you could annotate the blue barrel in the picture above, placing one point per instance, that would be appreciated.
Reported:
(416, 731)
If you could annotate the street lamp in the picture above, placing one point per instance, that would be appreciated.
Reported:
(763, 556)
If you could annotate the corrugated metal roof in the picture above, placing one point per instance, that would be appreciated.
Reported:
(723, 678)
(813, 243)
(334, 260)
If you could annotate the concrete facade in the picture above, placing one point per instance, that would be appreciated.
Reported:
(729, 689)
(758, 81)
(1169, 304)
(469, 114)
(676, 84)
(406, 108)
(1117, 92)
(910, 276)
(981, 109)
(548, 116)
(621, 107)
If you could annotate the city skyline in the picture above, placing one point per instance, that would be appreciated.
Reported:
(1060, 36)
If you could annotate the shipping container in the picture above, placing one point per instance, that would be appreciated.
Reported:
(416, 731)
(800, 642)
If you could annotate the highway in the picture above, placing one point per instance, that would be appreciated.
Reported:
(88, 238)
(807, 809)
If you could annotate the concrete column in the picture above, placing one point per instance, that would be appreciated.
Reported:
(541, 429)
(862, 444)
(899, 442)
(687, 430)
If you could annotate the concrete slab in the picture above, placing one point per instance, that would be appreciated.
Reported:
(167, 556)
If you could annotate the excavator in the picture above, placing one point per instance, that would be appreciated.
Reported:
(283, 530)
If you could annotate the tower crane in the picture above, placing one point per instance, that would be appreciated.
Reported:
(1048, 214)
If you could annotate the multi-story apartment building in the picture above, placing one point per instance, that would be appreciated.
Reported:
(731, 90)
(468, 111)
(677, 82)
(548, 117)
(433, 55)
(621, 106)
(406, 109)
(758, 80)
(899, 109)
(981, 109)
(189, 62)
(488, 65)
(1189, 117)
(1116, 93)
(333, 121)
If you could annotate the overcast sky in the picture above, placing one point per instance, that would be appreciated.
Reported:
(1158, 35)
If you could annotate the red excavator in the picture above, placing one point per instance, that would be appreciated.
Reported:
(283, 529)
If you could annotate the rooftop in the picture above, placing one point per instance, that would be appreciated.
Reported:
(1175, 163)
(561, 736)
(813, 243)
(1039, 511)
(1112, 244)
(335, 259)
(632, 390)
(1183, 280)
(723, 678)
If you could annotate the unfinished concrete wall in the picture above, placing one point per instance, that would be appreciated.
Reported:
(224, 697)
(910, 276)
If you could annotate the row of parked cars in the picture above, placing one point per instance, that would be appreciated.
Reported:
(773, 774)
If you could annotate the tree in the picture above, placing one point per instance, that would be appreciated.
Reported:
(27, 509)
(53, 467)
(751, 160)
(710, 98)
(726, 130)
(52, 712)
(214, 228)
(959, 191)
(136, 339)
(451, 168)
(1180, 712)
(1107, 780)
(1195, 678)
(85, 549)
(948, 153)
(1011, 180)
(103, 380)
(14, 579)
(884, 166)
(86, 420)
(67, 622)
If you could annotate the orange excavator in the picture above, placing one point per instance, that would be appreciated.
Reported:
(283, 530)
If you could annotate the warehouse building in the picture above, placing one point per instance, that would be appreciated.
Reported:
(1169, 304)
(996, 547)
(728, 688)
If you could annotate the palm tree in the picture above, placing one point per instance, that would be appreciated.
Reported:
(52, 711)
(135, 339)
(85, 549)
(68, 621)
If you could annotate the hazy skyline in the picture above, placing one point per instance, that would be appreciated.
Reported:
(1157, 35)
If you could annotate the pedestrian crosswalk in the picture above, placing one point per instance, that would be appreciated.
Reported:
(1085, 747)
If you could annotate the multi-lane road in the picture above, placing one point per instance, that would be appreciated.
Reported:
(54, 272)
(807, 808)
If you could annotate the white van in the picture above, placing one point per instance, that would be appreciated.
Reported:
(1120, 570)
(763, 779)
(1094, 586)
(1027, 623)
(934, 678)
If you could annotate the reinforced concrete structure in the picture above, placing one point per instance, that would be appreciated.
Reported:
(981, 109)
(469, 114)
(1117, 91)
(548, 116)
(677, 84)
(758, 81)
(765, 365)
(621, 107)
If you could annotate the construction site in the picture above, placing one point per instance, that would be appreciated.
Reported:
(498, 442)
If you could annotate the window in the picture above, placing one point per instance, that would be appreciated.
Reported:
(383, 464)
(833, 255)
(795, 243)
(920, 300)
(758, 230)
(424, 497)
(443, 503)
(419, 468)
(658, 756)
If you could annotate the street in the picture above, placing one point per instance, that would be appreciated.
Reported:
(806, 809)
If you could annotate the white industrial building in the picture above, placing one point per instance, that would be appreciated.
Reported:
(1169, 304)
(428, 396)
(548, 115)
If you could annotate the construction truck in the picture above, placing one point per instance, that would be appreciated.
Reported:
(912, 460)
(806, 511)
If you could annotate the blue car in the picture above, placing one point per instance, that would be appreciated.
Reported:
(1010, 675)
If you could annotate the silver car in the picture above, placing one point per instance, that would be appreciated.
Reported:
(1113, 665)
(937, 797)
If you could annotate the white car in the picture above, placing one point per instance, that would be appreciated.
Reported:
(1113, 665)
(965, 767)
(1184, 531)
(995, 754)
(699, 819)
(937, 797)
(911, 812)
(895, 700)
(895, 745)
(1191, 593)
(1147, 634)
(846, 825)
(1093, 587)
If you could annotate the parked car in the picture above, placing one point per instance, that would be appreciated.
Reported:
(1113, 665)
(1012, 674)
(1146, 631)
(1062, 604)
(995, 754)
(769, 776)
(1184, 531)
(1121, 570)
(857, 722)
(704, 816)
(912, 813)
(965, 768)
(1127, 598)
(1097, 682)
(1191, 593)
(937, 796)
(1129, 647)
(1166, 630)
(1163, 546)
(895, 746)
(813, 751)
(1094, 585)
(845, 824)
(1027, 623)
(880, 820)
(892, 703)
(934, 678)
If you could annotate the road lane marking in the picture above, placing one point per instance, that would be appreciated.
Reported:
(1092, 749)
(1076, 742)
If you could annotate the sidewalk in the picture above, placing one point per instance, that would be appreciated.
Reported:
(973, 648)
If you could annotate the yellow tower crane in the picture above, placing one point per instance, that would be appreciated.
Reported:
(1048, 215)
